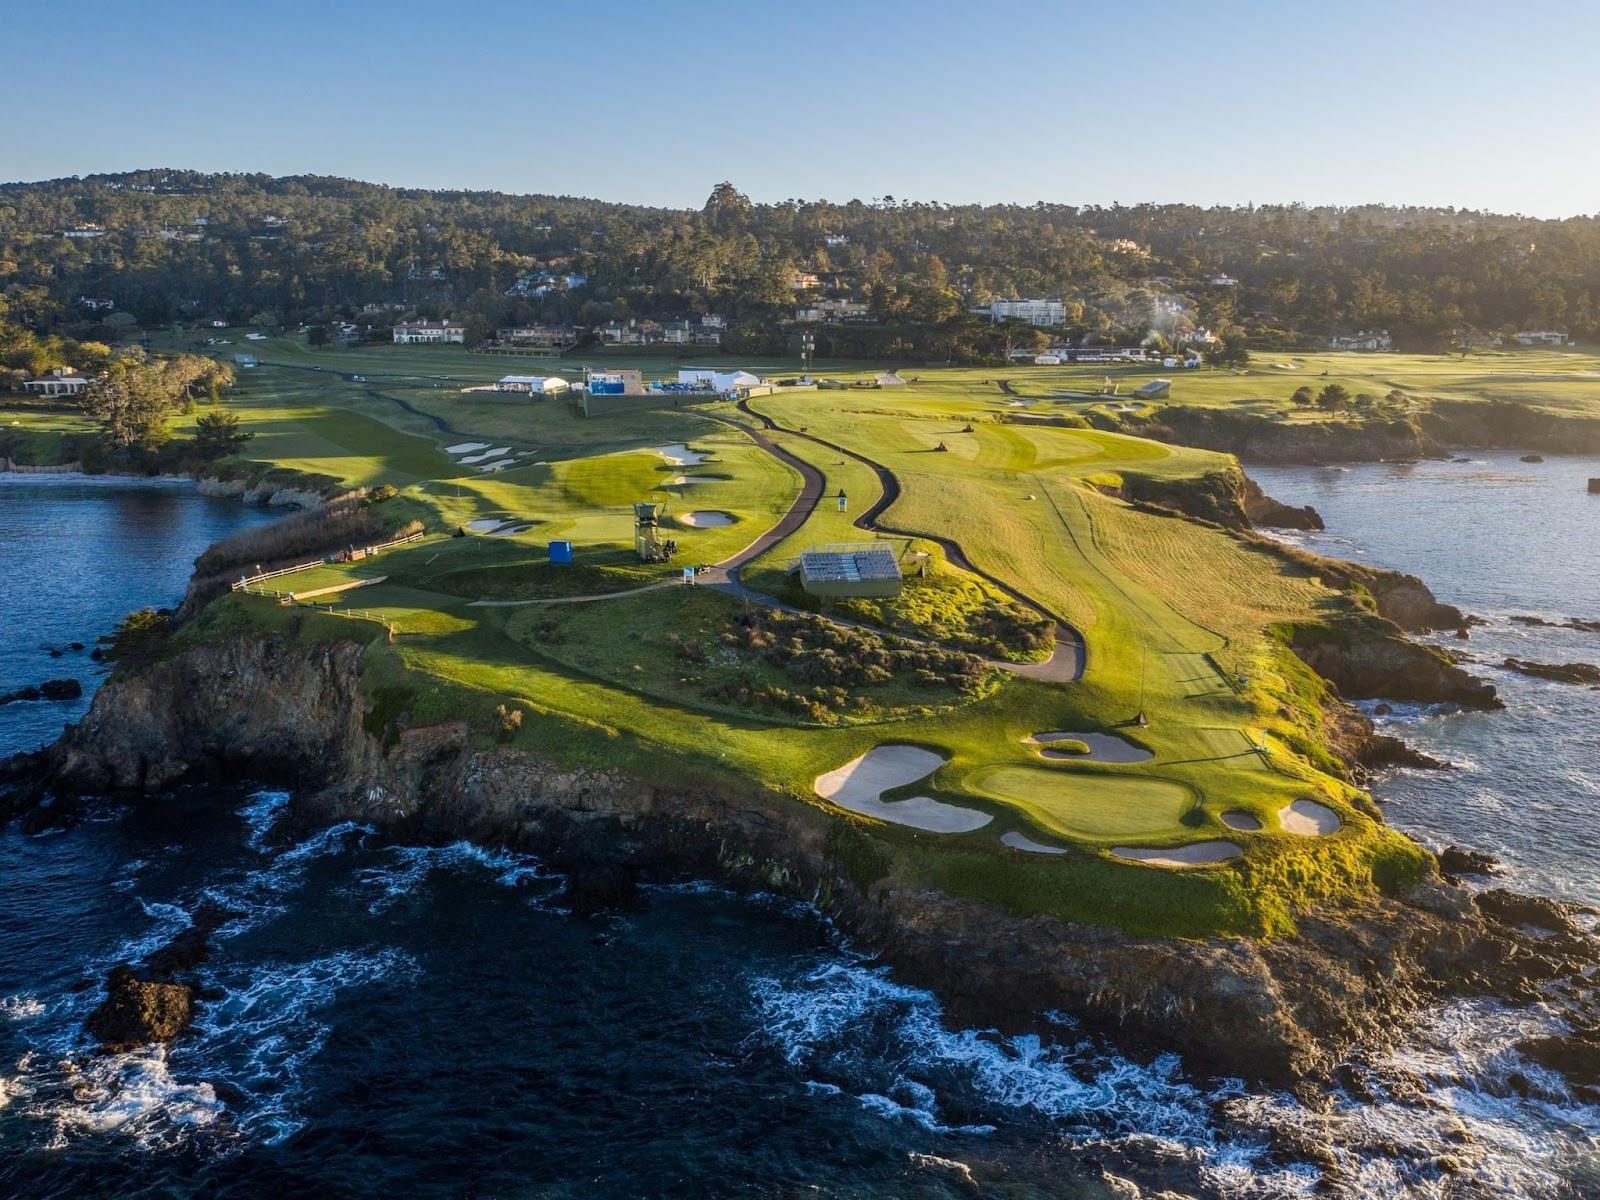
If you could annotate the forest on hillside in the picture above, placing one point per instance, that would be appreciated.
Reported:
(163, 246)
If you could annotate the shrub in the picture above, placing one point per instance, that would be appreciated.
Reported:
(140, 636)
(510, 720)
(381, 493)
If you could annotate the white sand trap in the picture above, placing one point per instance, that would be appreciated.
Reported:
(1309, 818)
(487, 455)
(679, 455)
(509, 530)
(859, 784)
(706, 520)
(485, 524)
(686, 480)
(1196, 854)
(466, 447)
(1237, 818)
(1103, 747)
(1021, 841)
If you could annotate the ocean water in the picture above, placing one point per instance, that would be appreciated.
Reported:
(1498, 538)
(77, 553)
(430, 1021)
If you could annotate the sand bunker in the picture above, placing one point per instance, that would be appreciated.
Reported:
(1197, 854)
(706, 520)
(686, 480)
(861, 782)
(485, 524)
(1103, 747)
(679, 455)
(509, 530)
(1309, 818)
(1021, 841)
(466, 447)
(486, 455)
(1237, 818)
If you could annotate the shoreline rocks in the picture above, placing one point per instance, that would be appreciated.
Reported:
(1578, 672)
(1283, 1009)
(56, 690)
(139, 1011)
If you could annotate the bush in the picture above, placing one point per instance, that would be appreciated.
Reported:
(510, 720)
(140, 637)
(381, 493)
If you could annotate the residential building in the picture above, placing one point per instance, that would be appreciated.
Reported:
(677, 333)
(96, 304)
(832, 311)
(1367, 339)
(1542, 337)
(84, 231)
(540, 335)
(804, 281)
(1034, 312)
(834, 241)
(63, 381)
(1223, 281)
(533, 385)
(415, 333)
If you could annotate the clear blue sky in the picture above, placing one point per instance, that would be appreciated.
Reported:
(1473, 104)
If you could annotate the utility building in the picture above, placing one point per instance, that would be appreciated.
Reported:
(850, 569)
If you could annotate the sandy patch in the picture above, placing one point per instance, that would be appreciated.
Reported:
(861, 782)
(1103, 747)
(509, 530)
(706, 520)
(1309, 818)
(679, 455)
(466, 447)
(487, 454)
(686, 480)
(1196, 854)
(1237, 818)
(485, 524)
(1021, 841)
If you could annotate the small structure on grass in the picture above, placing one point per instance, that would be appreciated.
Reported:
(647, 539)
(1156, 389)
(561, 553)
(850, 569)
(533, 385)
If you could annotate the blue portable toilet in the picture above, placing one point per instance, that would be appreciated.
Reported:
(561, 552)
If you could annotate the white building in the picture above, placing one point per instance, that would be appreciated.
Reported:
(1367, 339)
(84, 231)
(413, 333)
(723, 382)
(1034, 312)
(1542, 337)
(63, 381)
(534, 385)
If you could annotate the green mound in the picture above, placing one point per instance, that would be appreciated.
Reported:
(614, 480)
(1094, 807)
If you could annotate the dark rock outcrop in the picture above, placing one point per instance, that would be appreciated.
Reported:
(1457, 861)
(139, 1011)
(1555, 672)
(1277, 1009)
(1369, 659)
(50, 689)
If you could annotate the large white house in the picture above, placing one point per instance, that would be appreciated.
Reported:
(1034, 312)
(413, 333)
(533, 385)
(1367, 339)
(63, 381)
(1541, 337)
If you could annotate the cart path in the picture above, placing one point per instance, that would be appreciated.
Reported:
(1064, 666)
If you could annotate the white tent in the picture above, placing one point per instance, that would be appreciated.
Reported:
(537, 385)
(717, 381)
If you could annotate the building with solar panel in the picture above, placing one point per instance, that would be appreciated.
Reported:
(850, 569)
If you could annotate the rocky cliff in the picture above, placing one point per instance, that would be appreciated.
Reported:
(270, 708)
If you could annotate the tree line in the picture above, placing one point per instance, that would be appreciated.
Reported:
(169, 246)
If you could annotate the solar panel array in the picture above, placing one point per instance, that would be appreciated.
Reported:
(849, 564)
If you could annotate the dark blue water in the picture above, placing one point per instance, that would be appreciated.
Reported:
(1498, 538)
(430, 1022)
(77, 553)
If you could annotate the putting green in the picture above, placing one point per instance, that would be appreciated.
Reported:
(1086, 805)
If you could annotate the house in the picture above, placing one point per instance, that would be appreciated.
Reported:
(722, 382)
(709, 331)
(888, 379)
(96, 304)
(1222, 281)
(83, 231)
(421, 333)
(1542, 337)
(533, 385)
(620, 333)
(63, 381)
(1367, 339)
(539, 335)
(1034, 312)
(1156, 389)
(677, 333)
(803, 281)
(828, 310)
(834, 241)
